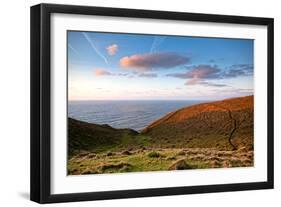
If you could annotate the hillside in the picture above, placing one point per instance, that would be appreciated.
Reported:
(210, 135)
(221, 124)
(86, 136)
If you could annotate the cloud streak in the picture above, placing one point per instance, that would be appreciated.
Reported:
(73, 49)
(148, 75)
(104, 72)
(94, 47)
(204, 83)
(147, 62)
(239, 70)
(101, 72)
(157, 41)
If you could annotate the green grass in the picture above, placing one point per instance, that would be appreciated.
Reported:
(146, 160)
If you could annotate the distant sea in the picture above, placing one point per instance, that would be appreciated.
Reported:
(124, 114)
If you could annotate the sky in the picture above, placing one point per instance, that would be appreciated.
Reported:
(117, 66)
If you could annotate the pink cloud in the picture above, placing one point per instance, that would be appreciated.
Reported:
(101, 72)
(204, 72)
(199, 74)
(146, 62)
(112, 49)
(193, 81)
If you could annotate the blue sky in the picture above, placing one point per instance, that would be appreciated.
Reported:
(115, 66)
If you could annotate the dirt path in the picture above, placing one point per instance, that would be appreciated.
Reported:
(234, 121)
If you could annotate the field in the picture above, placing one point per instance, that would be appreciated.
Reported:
(157, 160)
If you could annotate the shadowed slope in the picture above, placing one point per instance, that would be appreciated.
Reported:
(87, 136)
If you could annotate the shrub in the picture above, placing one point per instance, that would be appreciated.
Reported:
(153, 154)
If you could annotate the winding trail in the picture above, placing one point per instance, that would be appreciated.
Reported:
(234, 121)
(233, 130)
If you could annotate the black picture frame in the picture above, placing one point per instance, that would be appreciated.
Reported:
(41, 98)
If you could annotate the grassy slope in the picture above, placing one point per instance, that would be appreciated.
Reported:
(207, 125)
(192, 137)
(84, 136)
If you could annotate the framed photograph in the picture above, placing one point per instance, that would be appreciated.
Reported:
(133, 103)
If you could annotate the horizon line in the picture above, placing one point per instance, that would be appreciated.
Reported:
(160, 99)
(140, 99)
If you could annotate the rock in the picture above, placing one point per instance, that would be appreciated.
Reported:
(109, 154)
(226, 164)
(181, 153)
(180, 165)
(91, 155)
(242, 149)
(215, 164)
(126, 152)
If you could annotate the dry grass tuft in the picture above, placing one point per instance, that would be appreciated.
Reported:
(113, 166)
(180, 165)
